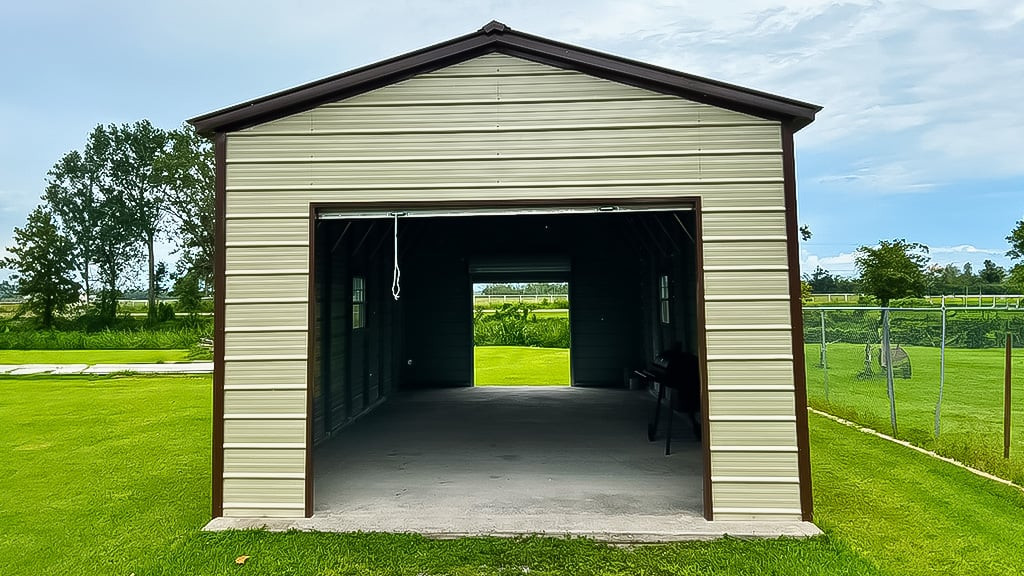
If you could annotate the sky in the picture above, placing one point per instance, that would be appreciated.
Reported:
(921, 136)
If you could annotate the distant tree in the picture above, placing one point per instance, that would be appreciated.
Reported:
(893, 269)
(73, 194)
(42, 260)
(1016, 240)
(821, 281)
(7, 290)
(186, 168)
(805, 233)
(134, 177)
(1015, 278)
(116, 253)
(806, 292)
(991, 273)
(186, 290)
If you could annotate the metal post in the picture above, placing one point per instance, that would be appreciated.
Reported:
(1006, 397)
(942, 368)
(888, 369)
(824, 354)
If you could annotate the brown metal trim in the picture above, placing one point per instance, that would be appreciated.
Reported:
(219, 284)
(702, 354)
(669, 203)
(803, 442)
(310, 364)
(496, 37)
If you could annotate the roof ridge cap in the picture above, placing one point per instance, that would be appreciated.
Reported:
(493, 27)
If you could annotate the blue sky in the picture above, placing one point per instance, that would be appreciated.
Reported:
(922, 135)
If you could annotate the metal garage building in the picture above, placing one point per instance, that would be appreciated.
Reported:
(667, 201)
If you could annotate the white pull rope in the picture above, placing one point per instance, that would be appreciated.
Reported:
(396, 278)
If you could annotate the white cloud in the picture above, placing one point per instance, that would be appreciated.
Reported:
(963, 249)
(841, 263)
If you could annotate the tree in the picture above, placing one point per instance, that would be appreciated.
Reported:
(821, 281)
(42, 260)
(71, 193)
(7, 290)
(134, 177)
(187, 170)
(991, 273)
(186, 290)
(805, 233)
(116, 253)
(1016, 240)
(893, 269)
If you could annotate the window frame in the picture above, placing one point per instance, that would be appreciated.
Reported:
(358, 302)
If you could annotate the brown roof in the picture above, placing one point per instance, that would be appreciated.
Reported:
(497, 37)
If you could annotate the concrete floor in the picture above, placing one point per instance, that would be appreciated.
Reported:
(514, 460)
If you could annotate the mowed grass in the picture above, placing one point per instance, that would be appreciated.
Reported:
(910, 513)
(113, 478)
(972, 402)
(91, 356)
(520, 366)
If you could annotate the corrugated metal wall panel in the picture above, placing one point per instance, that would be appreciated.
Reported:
(772, 253)
(617, 142)
(270, 203)
(774, 342)
(732, 434)
(498, 127)
(782, 496)
(745, 283)
(268, 257)
(265, 402)
(263, 286)
(262, 315)
(268, 343)
(750, 403)
(263, 461)
(776, 373)
(605, 171)
(264, 431)
(283, 230)
(757, 312)
(754, 464)
(265, 374)
(275, 490)
(745, 223)
(725, 196)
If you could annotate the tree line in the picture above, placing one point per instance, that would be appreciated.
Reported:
(898, 269)
(102, 212)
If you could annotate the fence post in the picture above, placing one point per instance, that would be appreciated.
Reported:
(824, 355)
(888, 369)
(1006, 396)
(942, 368)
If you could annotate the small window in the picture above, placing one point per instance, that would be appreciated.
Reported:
(358, 302)
(663, 300)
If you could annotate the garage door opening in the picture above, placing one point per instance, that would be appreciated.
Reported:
(406, 437)
(521, 334)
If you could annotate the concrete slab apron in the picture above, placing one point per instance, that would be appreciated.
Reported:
(508, 461)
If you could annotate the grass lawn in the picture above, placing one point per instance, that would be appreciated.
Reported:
(91, 356)
(520, 366)
(972, 402)
(113, 478)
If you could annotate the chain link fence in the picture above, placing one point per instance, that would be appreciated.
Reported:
(942, 384)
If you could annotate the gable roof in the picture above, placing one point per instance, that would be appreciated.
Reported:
(497, 37)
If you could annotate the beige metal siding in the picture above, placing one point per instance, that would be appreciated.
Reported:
(499, 127)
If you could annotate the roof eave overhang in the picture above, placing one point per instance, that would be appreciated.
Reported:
(496, 37)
